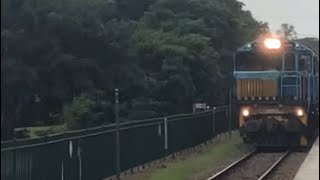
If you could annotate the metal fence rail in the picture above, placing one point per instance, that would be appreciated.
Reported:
(90, 154)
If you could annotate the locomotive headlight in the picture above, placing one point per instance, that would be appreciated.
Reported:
(245, 112)
(272, 43)
(300, 112)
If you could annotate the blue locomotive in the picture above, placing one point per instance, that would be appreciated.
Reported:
(276, 90)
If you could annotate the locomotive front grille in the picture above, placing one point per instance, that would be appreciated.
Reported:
(256, 88)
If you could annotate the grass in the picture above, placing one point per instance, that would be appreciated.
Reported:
(194, 167)
(38, 131)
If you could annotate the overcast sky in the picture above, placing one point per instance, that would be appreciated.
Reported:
(303, 14)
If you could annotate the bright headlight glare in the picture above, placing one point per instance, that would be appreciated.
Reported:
(272, 43)
(300, 112)
(245, 112)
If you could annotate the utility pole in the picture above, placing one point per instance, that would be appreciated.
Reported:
(117, 134)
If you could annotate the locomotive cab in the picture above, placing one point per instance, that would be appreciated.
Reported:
(276, 92)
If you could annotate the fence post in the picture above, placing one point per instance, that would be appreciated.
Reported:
(165, 134)
(62, 170)
(79, 159)
(14, 164)
(118, 167)
(213, 122)
(229, 121)
(229, 113)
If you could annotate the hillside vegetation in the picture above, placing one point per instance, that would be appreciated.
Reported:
(61, 60)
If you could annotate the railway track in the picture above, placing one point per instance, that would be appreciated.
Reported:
(253, 166)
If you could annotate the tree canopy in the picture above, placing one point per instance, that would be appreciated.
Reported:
(163, 55)
(287, 31)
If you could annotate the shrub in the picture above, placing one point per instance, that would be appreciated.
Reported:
(77, 115)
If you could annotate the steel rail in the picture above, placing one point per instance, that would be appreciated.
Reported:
(246, 157)
(236, 163)
(268, 172)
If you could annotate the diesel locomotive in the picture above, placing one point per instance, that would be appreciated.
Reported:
(276, 92)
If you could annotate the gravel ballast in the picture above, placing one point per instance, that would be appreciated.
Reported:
(289, 167)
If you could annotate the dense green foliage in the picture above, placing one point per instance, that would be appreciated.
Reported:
(287, 31)
(84, 112)
(163, 55)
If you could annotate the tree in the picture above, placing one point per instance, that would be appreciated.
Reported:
(184, 43)
(163, 55)
(287, 31)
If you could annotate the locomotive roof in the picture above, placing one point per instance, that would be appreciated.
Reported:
(294, 46)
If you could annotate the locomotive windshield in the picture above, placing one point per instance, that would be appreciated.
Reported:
(248, 61)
